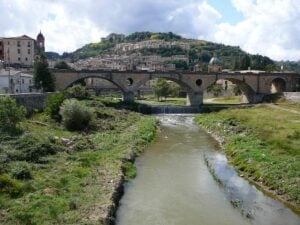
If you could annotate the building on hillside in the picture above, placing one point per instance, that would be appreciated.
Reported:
(13, 81)
(21, 51)
(113, 37)
(215, 65)
(198, 67)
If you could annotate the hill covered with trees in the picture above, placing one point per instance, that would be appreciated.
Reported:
(232, 57)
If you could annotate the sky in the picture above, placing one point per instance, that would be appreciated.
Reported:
(267, 27)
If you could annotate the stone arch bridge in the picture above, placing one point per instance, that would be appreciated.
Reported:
(253, 85)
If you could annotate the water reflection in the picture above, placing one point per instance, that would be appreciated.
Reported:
(174, 185)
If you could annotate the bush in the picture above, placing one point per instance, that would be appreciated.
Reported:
(29, 148)
(61, 65)
(53, 105)
(21, 171)
(77, 91)
(10, 114)
(10, 186)
(75, 115)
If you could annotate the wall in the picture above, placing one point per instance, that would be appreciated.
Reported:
(292, 96)
(31, 101)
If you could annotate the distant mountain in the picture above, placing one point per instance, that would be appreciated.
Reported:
(232, 57)
(53, 56)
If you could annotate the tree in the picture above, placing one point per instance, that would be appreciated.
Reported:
(43, 78)
(161, 88)
(61, 65)
(10, 114)
(164, 88)
(245, 62)
(214, 88)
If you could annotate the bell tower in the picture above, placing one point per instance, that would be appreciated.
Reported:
(40, 43)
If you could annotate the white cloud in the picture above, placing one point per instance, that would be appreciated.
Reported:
(270, 27)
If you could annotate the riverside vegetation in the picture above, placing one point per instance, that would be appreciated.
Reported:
(53, 175)
(262, 142)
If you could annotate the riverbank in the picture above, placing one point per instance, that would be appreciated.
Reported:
(49, 175)
(263, 144)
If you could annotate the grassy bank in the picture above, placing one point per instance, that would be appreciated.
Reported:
(49, 175)
(263, 143)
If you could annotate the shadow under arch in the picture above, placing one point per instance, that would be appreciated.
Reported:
(247, 92)
(192, 97)
(74, 81)
(278, 85)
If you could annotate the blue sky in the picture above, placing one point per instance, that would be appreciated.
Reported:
(267, 27)
(228, 11)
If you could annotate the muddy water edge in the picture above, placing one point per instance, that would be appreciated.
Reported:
(175, 185)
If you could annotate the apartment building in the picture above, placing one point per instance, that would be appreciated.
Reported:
(21, 51)
(14, 81)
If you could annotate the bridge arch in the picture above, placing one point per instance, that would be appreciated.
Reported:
(278, 85)
(247, 91)
(194, 95)
(103, 77)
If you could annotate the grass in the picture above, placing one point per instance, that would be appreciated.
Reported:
(75, 184)
(224, 100)
(263, 143)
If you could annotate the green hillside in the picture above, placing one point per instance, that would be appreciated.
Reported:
(232, 57)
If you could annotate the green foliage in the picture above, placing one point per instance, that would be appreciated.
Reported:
(138, 36)
(164, 88)
(10, 186)
(53, 105)
(245, 62)
(216, 89)
(163, 51)
(90, 50)
(75, 115)
(62, 185)
(43, 78)
(129, 171)
(10, 114)
(61, 65)
(237, 90)
(21, 170)
(31, 149)
(77, 91)
(262, 144)
(179, 64)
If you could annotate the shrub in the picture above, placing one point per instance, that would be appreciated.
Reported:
(21, 171)
(75, 115)
(10, 186)
(53, 105)
(77, 91)
(10, 114)
(29, 148)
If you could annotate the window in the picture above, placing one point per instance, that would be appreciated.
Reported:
(26, 59)
(19, 59)
(19, 51)
(28, 44)
(29, 81)
(29, 51)
(23, 81)
(18, 44)
(8, 42)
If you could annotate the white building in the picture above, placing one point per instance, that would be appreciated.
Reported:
(19, 82)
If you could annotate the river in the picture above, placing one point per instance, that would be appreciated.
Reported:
(175, 187)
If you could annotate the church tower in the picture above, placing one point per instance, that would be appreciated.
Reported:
(40, 43)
